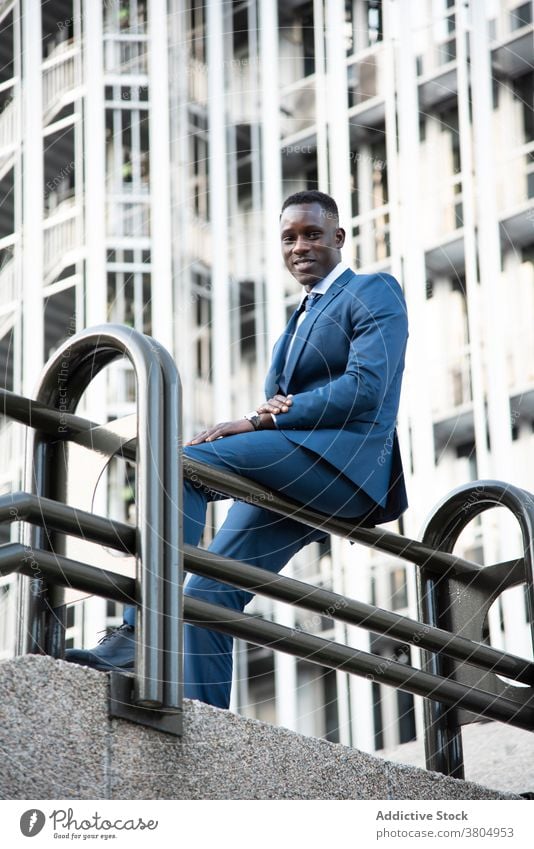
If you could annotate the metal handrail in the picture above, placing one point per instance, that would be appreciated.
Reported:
(158, 546)
(64, 379)
(89, 433)
(443, 741)
(20, 506)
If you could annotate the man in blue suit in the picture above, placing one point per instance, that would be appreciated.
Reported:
(325, 436)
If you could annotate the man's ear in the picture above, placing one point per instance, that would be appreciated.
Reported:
(340, 237)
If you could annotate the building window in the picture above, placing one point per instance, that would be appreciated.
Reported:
(125, 16)
(524, 92)
(261, 685)
(398, 588)
(380, 174)
(6, 635)
(446, 35)
(59, 319)
(59, 170)
(247, 316)
(129, 299)
(201, 291)
(7, 68)
(377, 716)
(57, 27)
(405, 703)
(127, 150)
(199, 169)
(521, 16)
(197, 26)
(6, 360)
(374, 21)
(7, 204)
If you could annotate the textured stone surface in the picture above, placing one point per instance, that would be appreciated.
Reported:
(500, 756)
(53, 731)
(57, 742)
(223, 756)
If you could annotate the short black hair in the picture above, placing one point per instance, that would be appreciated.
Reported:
(326, 202)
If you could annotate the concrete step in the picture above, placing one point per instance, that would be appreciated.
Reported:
(57, 742)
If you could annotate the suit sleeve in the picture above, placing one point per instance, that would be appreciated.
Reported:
(377, 345)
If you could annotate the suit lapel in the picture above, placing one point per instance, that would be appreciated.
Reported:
(305, 328)
(279, 356)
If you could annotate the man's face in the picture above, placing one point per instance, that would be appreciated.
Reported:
(311, 242)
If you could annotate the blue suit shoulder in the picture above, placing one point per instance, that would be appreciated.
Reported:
(378, 288)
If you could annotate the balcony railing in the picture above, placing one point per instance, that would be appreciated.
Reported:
(9, 450)
(8, 283)
(197, 81)
(199, 240)
(61, 235)
(128, 218)
(451, 383)
(5, 4)
(244, 97)
(8, 125)
(126, 54)
(365, 76)
(515, 180)
(371, 239)
(61, 75)
(297, 107)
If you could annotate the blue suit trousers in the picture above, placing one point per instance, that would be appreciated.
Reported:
(251, 533)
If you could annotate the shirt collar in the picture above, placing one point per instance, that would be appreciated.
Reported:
(323, 285)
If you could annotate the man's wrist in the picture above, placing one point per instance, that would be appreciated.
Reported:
(255, 419)
(268, 421)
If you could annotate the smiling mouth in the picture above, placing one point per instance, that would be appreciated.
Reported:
(302, 264)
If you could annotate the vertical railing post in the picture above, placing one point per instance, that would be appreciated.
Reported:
(443, 736)
(159, 566)
(173, 536)
(443, 743)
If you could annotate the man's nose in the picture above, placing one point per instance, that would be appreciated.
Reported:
(301, 245)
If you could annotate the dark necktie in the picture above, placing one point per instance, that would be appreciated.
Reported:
(310, 301)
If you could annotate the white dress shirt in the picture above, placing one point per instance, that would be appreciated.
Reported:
(320, 288)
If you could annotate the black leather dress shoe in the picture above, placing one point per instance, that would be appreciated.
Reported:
(114, 651)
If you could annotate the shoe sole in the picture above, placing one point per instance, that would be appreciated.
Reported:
(101, 667)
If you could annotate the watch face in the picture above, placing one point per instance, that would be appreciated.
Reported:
(254, 420)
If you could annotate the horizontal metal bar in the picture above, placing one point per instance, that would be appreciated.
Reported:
(336, 656)
(16, 557)
(53, 515)
(354, 612)
(65, 572)
(37, 415)
(400, 546)
(34, 414)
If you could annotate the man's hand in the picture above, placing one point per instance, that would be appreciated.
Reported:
(277, 404)
(222, 429)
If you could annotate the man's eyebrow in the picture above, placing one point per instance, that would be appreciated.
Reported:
(307, 227)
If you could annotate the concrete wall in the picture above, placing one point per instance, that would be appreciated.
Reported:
(57, 742)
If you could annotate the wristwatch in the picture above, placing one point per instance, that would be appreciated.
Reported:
(254, 419)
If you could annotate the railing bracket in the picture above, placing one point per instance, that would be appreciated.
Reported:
(121, 706)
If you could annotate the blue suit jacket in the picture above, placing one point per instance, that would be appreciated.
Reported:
(344, 371)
